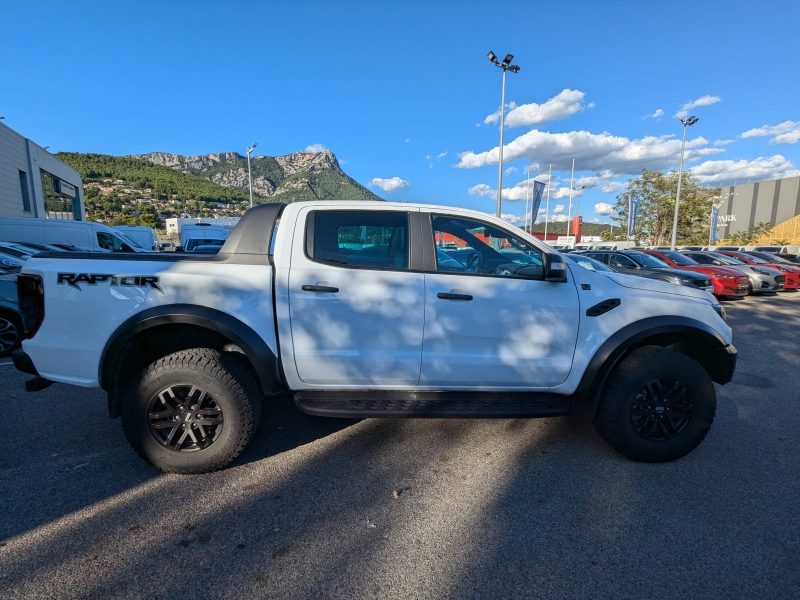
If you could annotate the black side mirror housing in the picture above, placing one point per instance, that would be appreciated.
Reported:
(555, 268)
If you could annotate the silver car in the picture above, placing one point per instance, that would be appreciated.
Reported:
(762, 279)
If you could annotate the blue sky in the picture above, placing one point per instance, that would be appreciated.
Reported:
(403, 90)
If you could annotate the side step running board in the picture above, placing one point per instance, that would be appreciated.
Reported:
(357, 404)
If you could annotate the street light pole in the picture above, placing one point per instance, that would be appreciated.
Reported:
(569, 208)
(686, 122)
(547, 210)
(506, 66)
(249, 173)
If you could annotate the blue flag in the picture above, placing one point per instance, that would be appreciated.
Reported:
(714, 237)
(538, 191)
(633, 212)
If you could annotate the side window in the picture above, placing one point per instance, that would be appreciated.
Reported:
(620, 261)
(111, 242)
(360, 238)
(598, 256)
(468, 246)
(702, 259)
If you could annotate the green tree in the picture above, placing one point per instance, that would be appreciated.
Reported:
(656, 192)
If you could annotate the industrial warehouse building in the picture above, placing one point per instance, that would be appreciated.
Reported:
(745, 206)
(34, 183)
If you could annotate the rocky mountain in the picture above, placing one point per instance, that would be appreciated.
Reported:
(277, 178)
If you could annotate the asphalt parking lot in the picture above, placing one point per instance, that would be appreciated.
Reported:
(320, 508)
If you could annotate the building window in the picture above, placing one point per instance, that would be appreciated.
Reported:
(23, 184)
(57, 203)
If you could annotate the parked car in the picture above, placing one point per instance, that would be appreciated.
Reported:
(792, 274)
(761, 279)
(10, 319)
(186, 345)
(201, 230)
(636, 262)
(775, 259)
(727, 281)
(82, 234)
(15, 251)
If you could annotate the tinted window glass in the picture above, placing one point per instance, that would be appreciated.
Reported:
(362, 239)
(111, 242)
(648, 260)
(620, 261)
(468, 246)
(680, 259)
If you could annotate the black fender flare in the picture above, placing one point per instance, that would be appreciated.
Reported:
(720, 358)
(264, 361)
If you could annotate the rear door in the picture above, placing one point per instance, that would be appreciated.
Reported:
(490, 318)
(356, 297)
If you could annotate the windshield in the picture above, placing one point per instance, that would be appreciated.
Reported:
(127, 239)
(195, 242)
(646, 260)
(770, 258)
(680, 259)
(757, 259)
(588, 263)
(725, 259)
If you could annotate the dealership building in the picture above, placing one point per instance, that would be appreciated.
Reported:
(34, 183)
(745, 206)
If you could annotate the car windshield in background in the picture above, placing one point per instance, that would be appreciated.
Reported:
(128, 240)
(771, 258)
(588, 263)
(194, 243)
(646, 260)
(724, 258)
(757, 259)
(680, 259)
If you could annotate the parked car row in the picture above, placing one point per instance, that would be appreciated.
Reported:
(723, 273)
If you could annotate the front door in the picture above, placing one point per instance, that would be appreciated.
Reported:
(490, 318)
(356, 307)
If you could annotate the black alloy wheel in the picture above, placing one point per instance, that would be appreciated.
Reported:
(185, 418)
(661, 410)
(10, 335)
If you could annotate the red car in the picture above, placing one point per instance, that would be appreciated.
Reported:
(727, 281)
(792, 272)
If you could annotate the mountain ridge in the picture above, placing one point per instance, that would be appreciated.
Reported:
(275, 178)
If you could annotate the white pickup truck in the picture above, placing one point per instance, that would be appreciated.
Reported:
(371, 309)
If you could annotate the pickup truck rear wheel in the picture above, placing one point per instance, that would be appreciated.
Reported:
(658, 405)
(191, 412)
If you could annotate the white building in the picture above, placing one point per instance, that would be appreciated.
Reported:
(34, 183)
(174, 224)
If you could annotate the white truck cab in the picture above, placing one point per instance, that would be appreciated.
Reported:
(369, 309)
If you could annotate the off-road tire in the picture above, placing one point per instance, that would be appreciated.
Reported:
(615, 422)
(224, 378)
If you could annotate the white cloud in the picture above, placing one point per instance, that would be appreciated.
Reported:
(407, 140)
(427, 157)
(612, 187)
(563, 105)
(441, 155)
(513, 194)
(482, 190)
(509, 171)
(659, 113)
(559, 208)
(701, 101)
(728, 171)
(603, 208)
(787, 132)
(595, 152)
(513, 219)
(723, 142)
(389, 185)
(315, 148)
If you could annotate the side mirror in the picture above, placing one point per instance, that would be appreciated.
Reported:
(555, 268)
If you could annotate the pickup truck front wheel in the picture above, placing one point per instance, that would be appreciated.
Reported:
(658, 405)
(193, 411)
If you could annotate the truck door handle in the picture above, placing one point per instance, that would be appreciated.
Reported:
(320, 288)
(444, 296)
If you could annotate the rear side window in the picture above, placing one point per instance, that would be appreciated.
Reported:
(359, 238)
(111, 242)
(620, 261)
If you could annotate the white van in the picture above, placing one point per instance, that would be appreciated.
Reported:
(201, 230)
(144, 236)
(83, 235)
